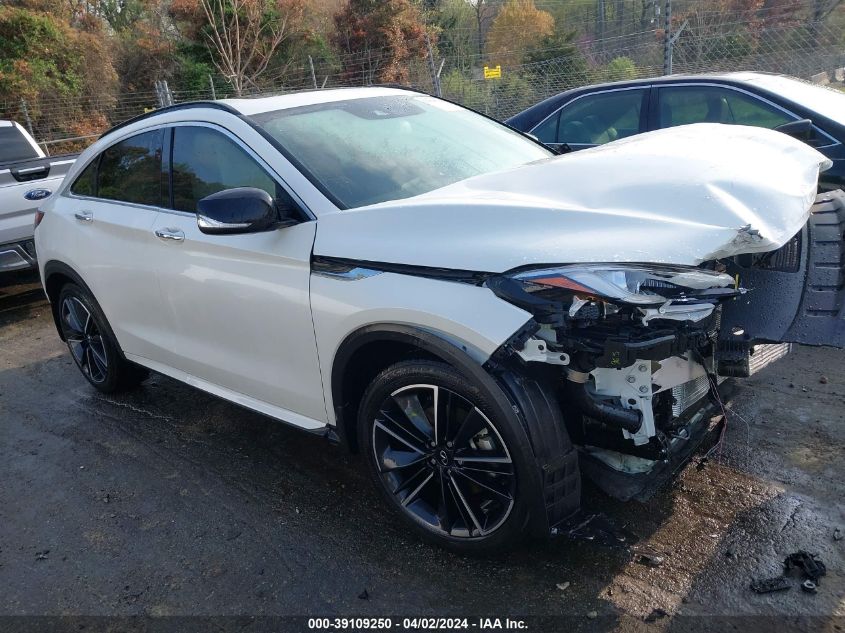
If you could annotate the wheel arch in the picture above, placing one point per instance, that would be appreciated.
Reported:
(531, 401)
(370, 349)
(56, 275)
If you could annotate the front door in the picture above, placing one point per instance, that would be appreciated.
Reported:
(239, 304)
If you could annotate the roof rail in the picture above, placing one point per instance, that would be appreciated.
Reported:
(179, 106)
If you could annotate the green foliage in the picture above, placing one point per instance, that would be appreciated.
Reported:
(38, 54)
(620, 69)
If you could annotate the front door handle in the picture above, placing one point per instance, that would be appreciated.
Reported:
(84, 216)
(173, 235)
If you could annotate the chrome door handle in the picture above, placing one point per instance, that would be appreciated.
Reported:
(173, 235)
(84, 216)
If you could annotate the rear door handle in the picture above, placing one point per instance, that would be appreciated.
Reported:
(173, 235)
(84, 216)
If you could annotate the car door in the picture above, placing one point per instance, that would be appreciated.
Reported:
(708, 103)
(238, 304)
(596, 118)
(113, 204)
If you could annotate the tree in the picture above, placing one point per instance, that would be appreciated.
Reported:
(379, 39)
(484, 11)
(243, 36)
(519, 28)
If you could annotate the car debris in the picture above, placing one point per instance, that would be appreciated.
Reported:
(649, 558)
(771, 585)
(655, 615)
(837, 534)
(563, 586)
(808, 564)
(808, 586)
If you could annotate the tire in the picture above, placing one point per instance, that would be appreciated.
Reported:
(467, 490)
(92, 343)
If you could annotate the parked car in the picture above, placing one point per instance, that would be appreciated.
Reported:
(483, 320)
(593, 115)
(27, 177)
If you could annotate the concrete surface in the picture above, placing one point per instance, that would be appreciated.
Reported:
(168, 501)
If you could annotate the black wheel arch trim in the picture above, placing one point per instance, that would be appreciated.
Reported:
(555, 489)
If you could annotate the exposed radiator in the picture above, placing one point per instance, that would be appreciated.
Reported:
(688, 393)
(762, 355)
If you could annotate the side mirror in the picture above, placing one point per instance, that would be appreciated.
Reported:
(238, 210)
(801, 129)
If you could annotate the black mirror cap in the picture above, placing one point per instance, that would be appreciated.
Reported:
(801, 129)
(238, 210)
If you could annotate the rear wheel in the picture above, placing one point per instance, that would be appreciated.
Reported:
(444, 457)
(92, 344)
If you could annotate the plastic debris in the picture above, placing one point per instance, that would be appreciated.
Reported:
(592, 615)
(808, 586)
(655, 615)
(770, 585)
(808, 564)
(563, 586)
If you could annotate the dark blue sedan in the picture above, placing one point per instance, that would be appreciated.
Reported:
(593, 115)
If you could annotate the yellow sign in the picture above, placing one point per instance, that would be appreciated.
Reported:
(493, 73)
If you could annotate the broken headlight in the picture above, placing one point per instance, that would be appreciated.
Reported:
(633, 285)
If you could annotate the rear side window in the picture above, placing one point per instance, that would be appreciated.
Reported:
(205, 161)
(86, 183)
(711, 104)
(601, 117)
(130, 171)
(13, 145)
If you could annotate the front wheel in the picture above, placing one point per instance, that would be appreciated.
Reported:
(444, 457)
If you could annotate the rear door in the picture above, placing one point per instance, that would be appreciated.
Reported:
(239, 304)
(596, 118)
(112, 206)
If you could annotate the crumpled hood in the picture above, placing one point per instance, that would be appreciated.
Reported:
(677, 196)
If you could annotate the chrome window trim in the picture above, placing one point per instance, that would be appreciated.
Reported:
(587, 94)
(353, 274)
(274, 176)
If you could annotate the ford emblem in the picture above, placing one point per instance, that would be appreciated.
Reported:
(37, 194)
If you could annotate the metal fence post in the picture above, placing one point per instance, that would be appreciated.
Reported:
(313, 74)
(26, 117)
(435, 74)
(668, 42)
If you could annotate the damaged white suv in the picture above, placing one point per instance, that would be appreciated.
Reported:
(484, 321)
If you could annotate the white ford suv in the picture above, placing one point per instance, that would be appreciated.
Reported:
(484, 321)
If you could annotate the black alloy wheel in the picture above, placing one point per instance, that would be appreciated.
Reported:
(443, 457)
(84, 339)
(92, 343)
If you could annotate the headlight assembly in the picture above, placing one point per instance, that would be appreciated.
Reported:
(633, 285)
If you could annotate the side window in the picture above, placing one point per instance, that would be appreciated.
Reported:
(711, 104)
(130, 171)
(547, 130)
(85, 184)
(206, 161)
(601, 117)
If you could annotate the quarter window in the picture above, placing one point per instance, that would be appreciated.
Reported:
(711, 104)
(206, 161)
(130, 171)
(601, 117)
(86, 184)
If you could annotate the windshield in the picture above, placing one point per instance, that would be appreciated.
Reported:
(826, 101)
(364, 151)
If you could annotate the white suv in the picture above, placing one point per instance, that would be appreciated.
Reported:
(483, 320)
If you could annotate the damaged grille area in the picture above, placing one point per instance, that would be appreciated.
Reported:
(686, 395)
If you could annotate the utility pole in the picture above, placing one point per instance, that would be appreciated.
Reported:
(211, 85)
(668, 42)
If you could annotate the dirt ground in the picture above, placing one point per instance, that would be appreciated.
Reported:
(170, 502)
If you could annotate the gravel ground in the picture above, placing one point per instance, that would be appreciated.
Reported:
(170, 502)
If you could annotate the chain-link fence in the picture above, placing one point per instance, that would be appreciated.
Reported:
(702, 42)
